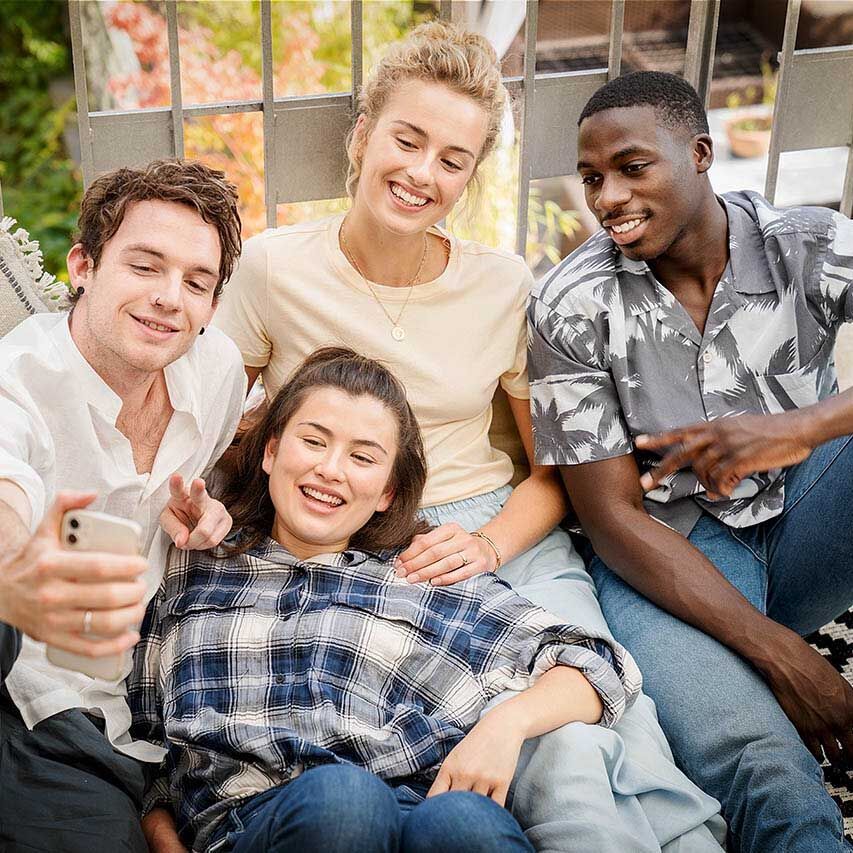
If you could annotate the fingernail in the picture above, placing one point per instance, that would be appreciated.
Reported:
(412, 578)
(400, 572)
(646, 481)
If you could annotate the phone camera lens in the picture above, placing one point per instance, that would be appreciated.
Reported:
(72, 538)
(74, 523)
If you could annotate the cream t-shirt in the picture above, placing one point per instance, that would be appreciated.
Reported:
(295, 291)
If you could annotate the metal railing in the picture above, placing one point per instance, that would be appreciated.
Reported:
(304, 157)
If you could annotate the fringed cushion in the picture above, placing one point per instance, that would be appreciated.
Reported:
(24, 286)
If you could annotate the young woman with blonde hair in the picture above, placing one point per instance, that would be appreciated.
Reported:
(448, 316)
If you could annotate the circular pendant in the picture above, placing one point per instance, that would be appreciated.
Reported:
(397, 333)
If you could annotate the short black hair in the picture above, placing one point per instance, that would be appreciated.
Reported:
(674, 100)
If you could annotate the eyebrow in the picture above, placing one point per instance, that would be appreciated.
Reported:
(362, 442)
(148, 250)
(421, 132)
(621, 154)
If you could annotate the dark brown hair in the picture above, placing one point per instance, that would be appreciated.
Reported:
(245, 490)
(205, 190)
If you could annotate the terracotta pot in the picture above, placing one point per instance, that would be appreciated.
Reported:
(752, 142)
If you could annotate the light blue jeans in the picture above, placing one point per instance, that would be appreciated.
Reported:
(586, 788)
(726, 727)
(339, 808)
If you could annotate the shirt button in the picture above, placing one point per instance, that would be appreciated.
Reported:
(279, 679)
(707, 357)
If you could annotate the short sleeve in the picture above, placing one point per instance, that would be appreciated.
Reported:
(25, 451)
(575, 407)
(835, 297)
(515, 381)
(242, 311)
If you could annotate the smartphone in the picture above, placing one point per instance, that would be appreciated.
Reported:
(87, 530)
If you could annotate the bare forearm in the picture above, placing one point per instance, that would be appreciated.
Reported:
(158, 826)
(830, 418)
(561, 695)
(534, 508)
(674, 574)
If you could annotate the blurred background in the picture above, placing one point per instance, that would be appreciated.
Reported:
(127, 65)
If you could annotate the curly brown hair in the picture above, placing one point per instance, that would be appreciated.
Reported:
(205, 190)
(245, 485)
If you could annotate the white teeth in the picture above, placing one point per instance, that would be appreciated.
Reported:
(408, 197)
(156, 326)
(627, 226)
(322, 496)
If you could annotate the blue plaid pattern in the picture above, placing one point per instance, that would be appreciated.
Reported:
(254, 668)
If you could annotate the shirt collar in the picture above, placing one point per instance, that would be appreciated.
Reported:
(181, 378)
(746, 252)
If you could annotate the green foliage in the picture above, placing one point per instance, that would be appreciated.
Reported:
(41, 185)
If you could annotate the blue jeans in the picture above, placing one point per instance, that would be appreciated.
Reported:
(581, 787)
(339, 808)
(726, 729)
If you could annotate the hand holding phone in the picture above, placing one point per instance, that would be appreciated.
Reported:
(95, 535)
(45, 590)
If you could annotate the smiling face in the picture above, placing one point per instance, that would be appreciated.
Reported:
(645, 182)
(329, 471)
(419, 157)
(152, 291)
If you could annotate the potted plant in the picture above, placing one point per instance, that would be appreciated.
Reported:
(749, 132)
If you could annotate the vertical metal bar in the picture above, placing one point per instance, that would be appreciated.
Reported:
(445, 10)
(175, 79)
(701, 43)
(270, 196)
(81, 92)
(356, 32)
(530, 26)
(1, 201)
(789, 42)
(617, 23)
(846, 206)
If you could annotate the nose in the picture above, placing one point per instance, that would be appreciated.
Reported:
(419, 171)
(167, 293)
(330, 466)
(613, 193)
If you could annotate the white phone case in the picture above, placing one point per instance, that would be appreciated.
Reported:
(87, 530)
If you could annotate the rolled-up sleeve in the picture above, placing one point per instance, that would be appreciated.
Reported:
(513, 642)
(575, 407)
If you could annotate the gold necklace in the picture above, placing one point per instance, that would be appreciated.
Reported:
(397, 331)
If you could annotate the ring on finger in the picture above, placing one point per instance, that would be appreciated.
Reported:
(465, 560)
(87, 622)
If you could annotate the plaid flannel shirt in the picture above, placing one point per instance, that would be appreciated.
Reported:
(254, 668)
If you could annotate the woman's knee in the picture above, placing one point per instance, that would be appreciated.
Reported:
(462, 821)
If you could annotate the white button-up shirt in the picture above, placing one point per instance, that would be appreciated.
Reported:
(59, 432)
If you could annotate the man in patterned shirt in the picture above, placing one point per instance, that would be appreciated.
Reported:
(682, 378)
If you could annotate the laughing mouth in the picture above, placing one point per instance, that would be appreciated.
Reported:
(323, 497)
(406, 197)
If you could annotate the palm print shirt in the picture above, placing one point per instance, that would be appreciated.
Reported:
(255, 667)
(613, 354)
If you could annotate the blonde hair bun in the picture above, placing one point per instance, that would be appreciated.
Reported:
(438, 52)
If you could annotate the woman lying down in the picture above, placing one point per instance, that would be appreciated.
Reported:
(310, 699)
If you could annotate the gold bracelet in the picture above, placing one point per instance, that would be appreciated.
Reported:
(494, 547)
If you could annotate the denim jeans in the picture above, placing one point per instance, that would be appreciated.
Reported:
(581, 787)
(726, 728)
(339, 808)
